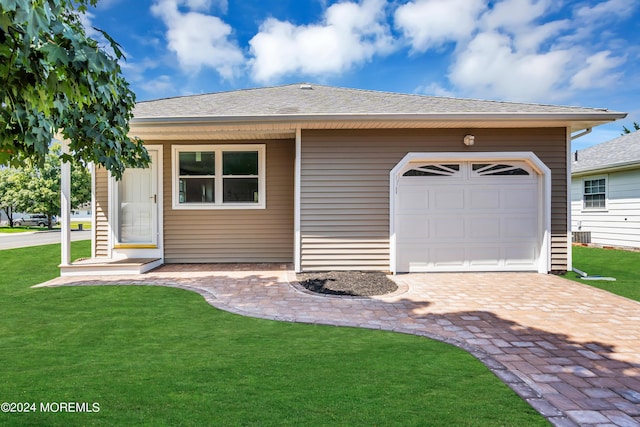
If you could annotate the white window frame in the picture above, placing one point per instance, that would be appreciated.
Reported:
(606, 192)
(218, 177)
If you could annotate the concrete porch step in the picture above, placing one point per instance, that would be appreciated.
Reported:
(107, 266)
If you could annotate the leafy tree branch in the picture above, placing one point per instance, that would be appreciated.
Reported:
(56, 79)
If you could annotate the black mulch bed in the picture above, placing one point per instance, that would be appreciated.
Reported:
(353, 283)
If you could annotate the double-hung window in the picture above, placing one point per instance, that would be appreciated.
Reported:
(595, 193)
(218, 176)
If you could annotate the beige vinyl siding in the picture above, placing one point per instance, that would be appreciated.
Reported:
(345, 187)
(101, 228)
(235, 235)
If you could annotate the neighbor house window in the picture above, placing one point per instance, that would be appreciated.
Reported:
(595, 193)
(218, 176)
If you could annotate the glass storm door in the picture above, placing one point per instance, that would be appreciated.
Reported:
(137, 204)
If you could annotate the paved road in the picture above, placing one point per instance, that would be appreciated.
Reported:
(21, 240)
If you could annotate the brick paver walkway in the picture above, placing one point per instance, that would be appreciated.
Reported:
(570, 350)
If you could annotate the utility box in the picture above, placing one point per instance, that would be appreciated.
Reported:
(581, 236)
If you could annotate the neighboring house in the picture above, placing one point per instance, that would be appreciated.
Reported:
(329, 178)
(605, 192)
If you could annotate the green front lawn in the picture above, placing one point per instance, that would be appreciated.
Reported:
(86, 225)
(161, 356)
(23, 229)
(622, 265)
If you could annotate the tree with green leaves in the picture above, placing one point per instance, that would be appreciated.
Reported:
(37, 188)
(54, 79)
(636, 127)
(8, 188)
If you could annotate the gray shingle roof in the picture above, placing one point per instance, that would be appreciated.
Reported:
(294, 100)
(621, 151)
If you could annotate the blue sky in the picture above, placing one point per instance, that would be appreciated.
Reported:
(565, 52)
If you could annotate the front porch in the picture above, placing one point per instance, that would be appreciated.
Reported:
(109, 267)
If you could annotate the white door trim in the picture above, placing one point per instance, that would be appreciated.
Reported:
(544, 189)
(124, 253)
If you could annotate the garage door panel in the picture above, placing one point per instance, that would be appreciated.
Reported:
(468, 223)
(484, 256)
(520, 198)
(447, 256)
(446, 227)
(413, 198)
(519, 255)
(520, 227)
(484, 199)
(412, 227)
(413, 257)
(484, 228)
(449, 198)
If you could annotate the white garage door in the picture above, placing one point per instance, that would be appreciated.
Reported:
(467, 216)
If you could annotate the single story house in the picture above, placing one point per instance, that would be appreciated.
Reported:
(605, 192)
(329, 178)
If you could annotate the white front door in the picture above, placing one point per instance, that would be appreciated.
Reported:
(137, 211)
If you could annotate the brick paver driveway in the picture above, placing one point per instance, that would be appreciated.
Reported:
(570, 350)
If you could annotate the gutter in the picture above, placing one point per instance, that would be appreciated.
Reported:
(296, 118)
(633, 164)
(581, 134)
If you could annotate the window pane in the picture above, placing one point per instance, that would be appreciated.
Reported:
(433, 170)
(594, 186)
(197, 163)
(478, 166)
(240, 190)
(498, 170)
(594, 201)
(197, 190)
(240, 163)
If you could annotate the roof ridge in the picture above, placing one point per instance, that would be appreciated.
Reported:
(246, 89)
(375, 91)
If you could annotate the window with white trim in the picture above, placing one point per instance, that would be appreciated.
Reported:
(218, 176)
(595, 193)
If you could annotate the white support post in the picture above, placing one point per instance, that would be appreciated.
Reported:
(65, 208)
(296, 202)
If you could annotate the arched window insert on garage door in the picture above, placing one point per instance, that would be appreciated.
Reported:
(500, 169)
(434, 170)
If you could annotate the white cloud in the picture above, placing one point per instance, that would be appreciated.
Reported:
(514, 49)
(514, 14)
(199, 40)
(598, 71)
(350, 34)
(206, 5)
(488, 67)
(159, 86)
(431, 23)
(606, 9)
(434, 89)
(531, 38)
